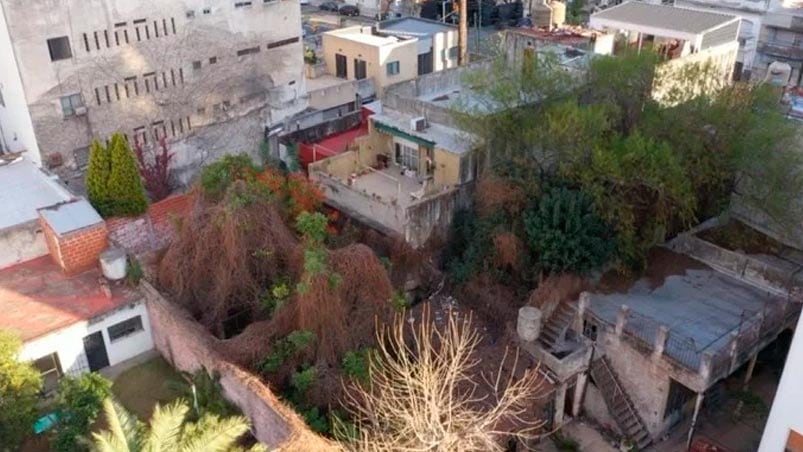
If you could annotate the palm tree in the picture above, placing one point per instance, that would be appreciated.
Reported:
(169, 430)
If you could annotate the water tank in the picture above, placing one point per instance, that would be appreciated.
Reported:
(549, 15)
(113, 264)
(528, 326)
(778, 73)
(558, 13)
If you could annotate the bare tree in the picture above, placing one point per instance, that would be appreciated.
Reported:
(427, 394)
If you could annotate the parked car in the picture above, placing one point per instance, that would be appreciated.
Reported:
(349, 10)
(329, 6)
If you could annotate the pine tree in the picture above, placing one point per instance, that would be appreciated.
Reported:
(124, 186)
(97, 177)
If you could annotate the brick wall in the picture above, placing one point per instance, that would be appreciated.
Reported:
(152, 230)
(76, 251)
(189, 347)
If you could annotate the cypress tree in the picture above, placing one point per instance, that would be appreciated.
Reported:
(97, 177)
(124, 186)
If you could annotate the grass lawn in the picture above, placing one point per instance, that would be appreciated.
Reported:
(140, 388)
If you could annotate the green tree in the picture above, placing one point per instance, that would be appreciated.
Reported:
(205, 393)
(124, 187)
(79, 402)
(566, 233)
(97, 177)
(20, 384)
(169, 430)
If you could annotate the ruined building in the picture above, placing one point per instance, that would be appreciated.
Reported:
(210, 77)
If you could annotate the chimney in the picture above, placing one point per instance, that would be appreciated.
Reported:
(75, 235)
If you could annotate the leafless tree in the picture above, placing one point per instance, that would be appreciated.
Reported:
(427, 394)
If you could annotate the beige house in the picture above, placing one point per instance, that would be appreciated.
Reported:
(397, 50)
(403, 178)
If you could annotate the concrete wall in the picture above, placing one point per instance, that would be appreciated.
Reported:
(447, 168)
(721, 59)
(786, 413)
(21, 243)
(16, 129)
(69, 345)
(189, 347)
(432, 216)
(213, 85)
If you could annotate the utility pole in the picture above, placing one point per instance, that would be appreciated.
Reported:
(462, 33)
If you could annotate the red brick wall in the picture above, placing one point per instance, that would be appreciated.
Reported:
(152, 230)
(77, 251)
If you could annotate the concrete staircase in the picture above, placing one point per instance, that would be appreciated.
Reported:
(554, 330)
(619, 404)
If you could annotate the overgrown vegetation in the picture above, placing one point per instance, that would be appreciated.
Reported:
(155, 168)
(20, 384)
(654, 151)
(113, 182)
(79, 402)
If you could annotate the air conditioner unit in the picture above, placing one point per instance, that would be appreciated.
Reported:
(80, 111)
(418, 124)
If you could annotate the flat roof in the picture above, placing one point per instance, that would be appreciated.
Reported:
(415, 27)
(70, 216)
(444, 137)
(700, 306)
(25, 188)
(363, 35)
(37, 298)
(663, 17)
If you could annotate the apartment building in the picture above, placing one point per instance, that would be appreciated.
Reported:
(209, 76)
(781, 40)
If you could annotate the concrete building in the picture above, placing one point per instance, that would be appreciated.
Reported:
(781, 40)
(784, 428)
(70, 318)
(209, 76)
(681, 36)
(395, 51)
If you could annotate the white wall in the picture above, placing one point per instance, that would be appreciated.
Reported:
(16, 128)
(21, 243)
(69, 345)
(786, 413)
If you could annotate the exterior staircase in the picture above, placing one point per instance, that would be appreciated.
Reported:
(619, 404)
(554, 330)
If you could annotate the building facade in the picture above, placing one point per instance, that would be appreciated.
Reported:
(210, 77)
(781, 40)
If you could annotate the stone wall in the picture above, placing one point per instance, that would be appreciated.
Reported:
(189, 347)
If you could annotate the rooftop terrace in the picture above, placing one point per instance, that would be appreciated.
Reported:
(37, 298)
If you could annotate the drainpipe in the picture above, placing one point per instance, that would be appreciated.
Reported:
(697, 405)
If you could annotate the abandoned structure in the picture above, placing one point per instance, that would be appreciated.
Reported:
(70, 318)
(663, 344)
(209, 77)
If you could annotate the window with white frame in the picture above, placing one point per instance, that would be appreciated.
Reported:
(50, 369)
(70, 104)
(407, 154)
(125, 328)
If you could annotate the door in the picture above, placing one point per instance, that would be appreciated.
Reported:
(359, 69)
(95, 350)
(340, 66)
(425, 63)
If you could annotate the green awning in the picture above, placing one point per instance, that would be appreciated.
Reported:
(402, 134)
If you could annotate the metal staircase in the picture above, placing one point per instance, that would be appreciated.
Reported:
(554, 330)
(619, 404)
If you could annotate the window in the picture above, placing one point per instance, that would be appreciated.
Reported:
(241, 4)
(283, 42)
(71, 104)
(359, 69)
(125, 328)
(196, 65)
(50, 369)
(393, 68)
(59, 48)
(207, 10)
(407, 155)
(248, 51)
(213, 60)
(81, 157)
(190, 14)
(340, 66)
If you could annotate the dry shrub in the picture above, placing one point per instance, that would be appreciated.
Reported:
(508, 249)
(225, 254)
(556, 289)
(496, 302)
(493, 193)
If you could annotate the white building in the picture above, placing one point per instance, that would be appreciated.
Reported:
(784, 428)
(210, 76)
(71, 320)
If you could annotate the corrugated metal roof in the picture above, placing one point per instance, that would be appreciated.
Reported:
(668, 17)
(71, 216)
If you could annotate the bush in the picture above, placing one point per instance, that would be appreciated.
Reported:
(284, 348)
(566, 233)
(356, 364)
(80, 401)
(97, 177)
(20, 384)
(218, 176)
